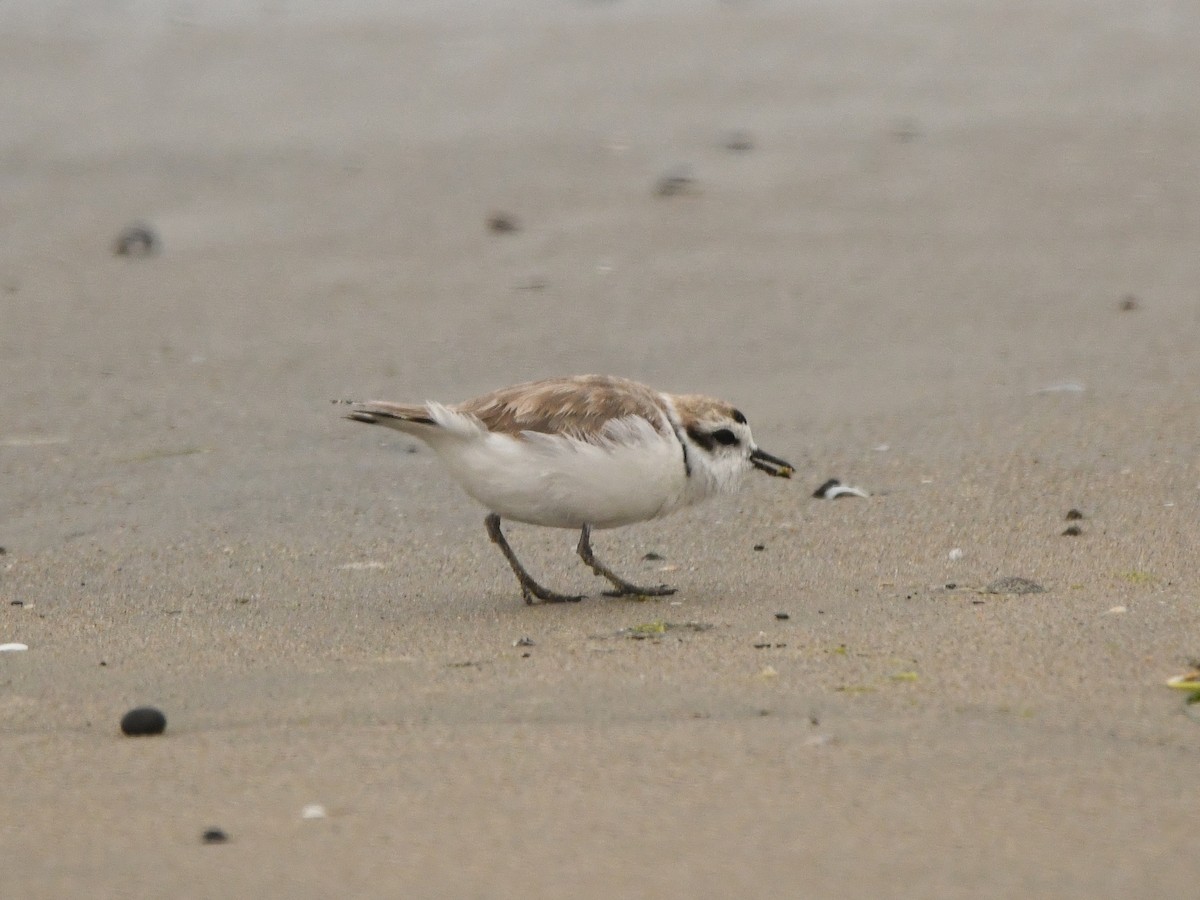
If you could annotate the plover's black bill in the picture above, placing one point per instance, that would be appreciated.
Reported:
(772, 465)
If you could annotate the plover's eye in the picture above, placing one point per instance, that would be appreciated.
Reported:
(724, 436)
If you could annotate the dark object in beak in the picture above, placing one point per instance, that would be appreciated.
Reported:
(772, 465)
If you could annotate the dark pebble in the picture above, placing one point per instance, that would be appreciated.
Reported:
(214, 836)
(677, 181)
(1072, 531)
(143, 720)
(502, 223)
(760, 546)
(652, 557)
(16, 602)
(1073, 514)
(136, 240)
(739, 142)
(782, 616)
(951, 585)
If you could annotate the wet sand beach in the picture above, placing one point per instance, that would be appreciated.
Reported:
(944, 252)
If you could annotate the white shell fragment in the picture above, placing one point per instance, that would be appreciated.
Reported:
(832, 489)
(313, 811)
(13, 648)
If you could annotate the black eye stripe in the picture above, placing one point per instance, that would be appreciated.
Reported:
(708, 440)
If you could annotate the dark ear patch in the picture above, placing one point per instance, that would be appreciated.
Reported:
(738, 417)
(701, 439)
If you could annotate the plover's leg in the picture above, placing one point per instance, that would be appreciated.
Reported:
(623, 587)
(529, 587)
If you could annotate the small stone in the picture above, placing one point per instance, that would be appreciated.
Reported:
(14, 647)
(1072, 531)
(502, 223)
(313, 811)
(214, 836)
(782, 616)
(955, 554)
(143, 720)
(16, 602)
(1073, 514)
(652, 557)
(760, 547)
(675, 181)
(738, 141)
(138, 239)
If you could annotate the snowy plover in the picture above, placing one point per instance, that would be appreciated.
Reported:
(592, 451)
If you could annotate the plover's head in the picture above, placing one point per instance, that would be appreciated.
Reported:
(720, 447)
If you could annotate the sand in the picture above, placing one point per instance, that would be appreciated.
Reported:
(912, 279)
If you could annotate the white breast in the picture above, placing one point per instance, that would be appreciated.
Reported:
(631, 474)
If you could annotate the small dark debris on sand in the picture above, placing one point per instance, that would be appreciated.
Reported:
(144, 720)
(138, 239)
(1072, 531)
(782, 616)
(1073, 515)
(1129, 303)
(673, 182)
(503, 223)
(1014, 584)
(652, 557)
(214, 836)
(738, 141)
